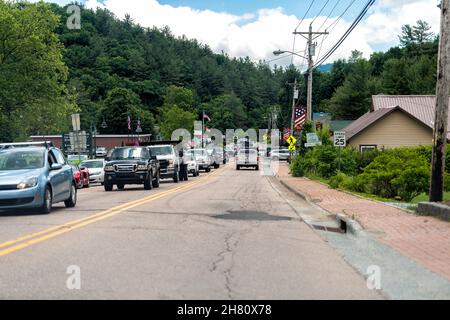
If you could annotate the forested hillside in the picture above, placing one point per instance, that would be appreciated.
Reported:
(111, 69)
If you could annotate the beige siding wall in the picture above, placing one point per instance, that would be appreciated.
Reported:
(395, 130)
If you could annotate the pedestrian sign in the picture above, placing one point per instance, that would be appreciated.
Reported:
(292, 147)
(291, 140)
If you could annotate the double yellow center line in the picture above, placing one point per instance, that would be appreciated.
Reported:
(37, 237)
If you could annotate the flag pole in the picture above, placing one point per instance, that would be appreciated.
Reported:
(203, 128)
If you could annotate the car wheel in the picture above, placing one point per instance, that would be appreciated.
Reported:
(80, 184)
(216, 166)
(156, 182)
(72, 201)
(208, 169)
(46, 207)
(176, 176)
(120, 186)
(257, 168)
(148, 183)
(238, 168)
(108, 186)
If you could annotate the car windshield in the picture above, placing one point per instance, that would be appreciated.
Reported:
(160, 150)
(199, 153)
(127, 153)
(13, 159)
(92, 164)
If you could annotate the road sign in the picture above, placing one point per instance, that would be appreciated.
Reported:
(76, 121)
(310, 145)
(291, 140)
(292, 147)
(312, 138)
(339, 139)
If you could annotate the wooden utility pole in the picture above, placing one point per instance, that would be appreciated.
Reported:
(294, 98)
(442, 103)
(309, 36)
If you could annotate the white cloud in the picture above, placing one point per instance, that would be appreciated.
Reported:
(258, 34)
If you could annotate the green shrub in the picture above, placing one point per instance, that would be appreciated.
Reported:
(363, 159)
(400, 172)
(340, 180)
(296, 167)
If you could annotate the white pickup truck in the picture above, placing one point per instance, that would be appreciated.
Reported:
(247, 158)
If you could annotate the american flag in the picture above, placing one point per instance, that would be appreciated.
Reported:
(139, 125)
(286, 134)
(205, 116)
(300, 117)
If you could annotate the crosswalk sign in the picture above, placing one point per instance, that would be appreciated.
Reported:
(291, 140)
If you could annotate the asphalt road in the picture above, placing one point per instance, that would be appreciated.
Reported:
(224, 235)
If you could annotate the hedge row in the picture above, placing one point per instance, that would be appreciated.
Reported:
(401, 173)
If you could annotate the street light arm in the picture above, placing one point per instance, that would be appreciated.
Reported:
(278, 52)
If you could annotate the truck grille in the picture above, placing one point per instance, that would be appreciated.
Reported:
(163, 164)
(125, 168)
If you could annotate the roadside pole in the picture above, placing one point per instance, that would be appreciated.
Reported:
(442, 102)
(339, 161)
(340, 142)
(294, 98)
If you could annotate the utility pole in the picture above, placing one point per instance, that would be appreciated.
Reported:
(310, 36)
(294, 98)
(442, 103)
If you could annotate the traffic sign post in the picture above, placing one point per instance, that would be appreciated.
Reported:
(292, 141)
(339, 142)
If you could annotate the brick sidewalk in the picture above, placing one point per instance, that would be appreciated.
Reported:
(423, 239)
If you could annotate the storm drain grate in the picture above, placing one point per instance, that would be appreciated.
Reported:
(328, 229)
(250, 216)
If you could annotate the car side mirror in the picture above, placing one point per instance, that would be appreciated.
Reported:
(107, 159)
(56, 166)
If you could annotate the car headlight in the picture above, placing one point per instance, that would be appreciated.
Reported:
(142, 167)
(109, 168)
(170, 162)
(29, 183)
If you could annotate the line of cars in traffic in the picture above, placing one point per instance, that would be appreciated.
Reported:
(34, 176)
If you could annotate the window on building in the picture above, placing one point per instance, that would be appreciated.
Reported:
(364, 148)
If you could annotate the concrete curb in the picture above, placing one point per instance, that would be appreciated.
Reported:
(349, 224)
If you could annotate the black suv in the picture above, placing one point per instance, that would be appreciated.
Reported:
(131, 165)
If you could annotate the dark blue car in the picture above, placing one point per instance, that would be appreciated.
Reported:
(35, 177)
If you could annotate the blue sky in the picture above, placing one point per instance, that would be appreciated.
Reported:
(256, 28)
(295, 7)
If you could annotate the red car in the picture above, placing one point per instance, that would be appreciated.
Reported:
(81, 176)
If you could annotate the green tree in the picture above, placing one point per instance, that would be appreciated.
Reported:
(174, 118)
(33, 95)
(352, 99)
(226, 112)
(416, 35)
(118, 106)
(180, 97)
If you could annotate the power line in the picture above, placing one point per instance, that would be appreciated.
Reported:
(320, 12)
(334, 24)
(329, 15)
(301, 21)
(307, 11)
(346, 34)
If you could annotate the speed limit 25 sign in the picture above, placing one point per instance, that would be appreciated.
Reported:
(339, 139)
